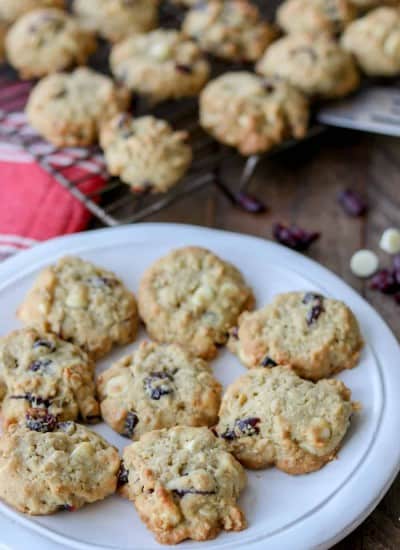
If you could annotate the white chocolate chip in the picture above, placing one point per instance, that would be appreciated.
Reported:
(390, 241)
(364, 263)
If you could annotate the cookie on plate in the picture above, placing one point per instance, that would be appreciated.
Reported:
(184, 484)
(46, 41)
(374, 40)
(145, 152)
(161, 65)
(11, 10)
(318, 336)
(273, 417)
(251, 113)
(82, 303)
(40, 371)
(68, 108)
(192, 297)
(315, 16)
(117, 19)
(230, 29)
(158, 386)
(316, 65)
(55, 466)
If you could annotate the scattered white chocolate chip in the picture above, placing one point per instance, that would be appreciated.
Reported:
(364, 263)
(390, 241)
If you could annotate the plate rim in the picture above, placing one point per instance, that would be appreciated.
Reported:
(54, 248)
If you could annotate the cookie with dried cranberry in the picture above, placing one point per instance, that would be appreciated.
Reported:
(274, 417)
(230, 29)
(162, 64)
(184, 484)
(68, 109)
(318, 336)
(158, 386)
(251, 113)
(191, 297)
(82, 303)
(117, 19)
(41, 371)
(11, 10)
(316, 65)
(47, 41)
(315, 16)
(53, 466)
(374, 40)
(145, 152)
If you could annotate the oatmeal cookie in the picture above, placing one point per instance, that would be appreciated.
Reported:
(273, 417)
(47, 41)
(145, 152)
(161, 65)
(158, 386)
(192, 297)
(184, 484)
(251, 113)
(68, 109)
(83, 304)
(11, 10)
(55, 466)
(318, 336)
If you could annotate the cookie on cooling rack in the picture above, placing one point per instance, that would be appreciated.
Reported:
(184, 484)
(43, 372)
(117, 19)
(251, 113)
(158, 386)
(273, 417)
(316, 65)
(315, 16)
(46, 41)
(11, 10)
(49, 466)
(83, 304)
(145, 152)
(230, 29)
(318, 336)
(374, 40)
(161, 65)
(192, 297)
(68, 108)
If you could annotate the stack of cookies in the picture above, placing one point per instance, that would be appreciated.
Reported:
(184, 468)
(319, 57)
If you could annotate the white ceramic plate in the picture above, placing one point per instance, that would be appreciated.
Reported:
(284, 512)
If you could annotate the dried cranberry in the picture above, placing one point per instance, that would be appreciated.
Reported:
(385, 282)
(67, 508)
(131, 422)
(249, 203)
(34, 400)
(294, 237)
(311, 297)
(317, 307)
(39, 420)
(268, 362)
(182, 492)
(39, 364)
(186, 69)
(352, 202)
(314, 313)
(123, 475)
(41, 343)
(158, 384)
(245, 426)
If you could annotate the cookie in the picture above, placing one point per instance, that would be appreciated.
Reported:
(316, 65)
(158, 386)
(273, 417)
(160, 65)
(11, 10)
(230, 29)
(192, 297)
(364, 5)
(251, 113)
(3, 33)
(315, 16)
(374, 40)
(145, 152)
(318, 336)
(46, 41)
(117, 19)
(184, 484)
(55, 466)
(68, 108)
(40, 371)
(83, 304)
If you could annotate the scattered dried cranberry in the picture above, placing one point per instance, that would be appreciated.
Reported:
(158, 384)
(131, 422)
(67, 508)
(249, 203)
(385, 281)
(41, 343)
(268, 362)
(352, 203)
(245, 426)
(312, 297)
(34, 400)
(123, 475)
(294, 237)
(182, 492)
(39, 364)
(317, 306)
(39, 420)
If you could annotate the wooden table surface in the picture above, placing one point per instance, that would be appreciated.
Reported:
(301, 186)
